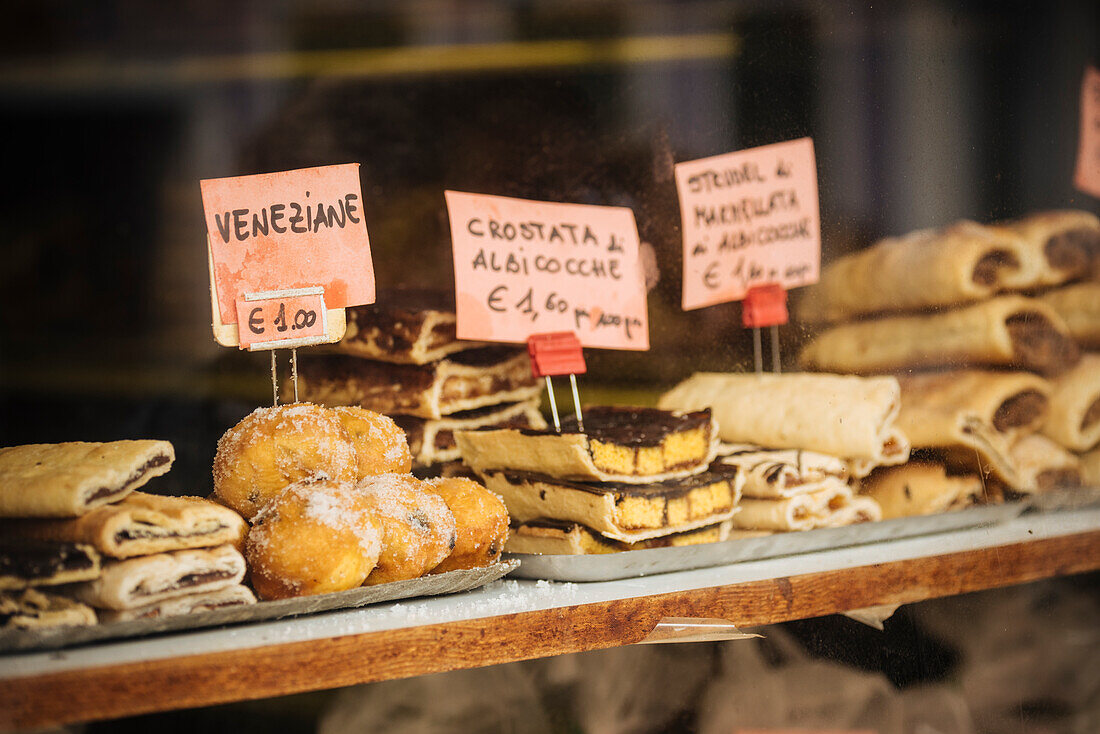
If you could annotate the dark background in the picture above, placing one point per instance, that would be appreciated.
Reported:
(922, 112)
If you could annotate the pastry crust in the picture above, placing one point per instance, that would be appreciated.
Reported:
(464, 381)
(140, 525)
(632, 445)
(556, 537)
(1062, 241)
(778, 473)
(138, 582)
(920, 488)
(1074, 418)
(25, 562)
(1009, 331)
(1079, 307)
(34, 609)
(839, 415)
(625, 512)
(962, 263)
(973, 415)
(433, 441)
(70, 479)
(230, 596)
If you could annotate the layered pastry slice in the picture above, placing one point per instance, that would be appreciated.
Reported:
(464, 381)
(26, 563)
(229, 596)
(34, 609)
(618, 510)
(618, 444)
(432, 441)
(404, 327)
(562, 537)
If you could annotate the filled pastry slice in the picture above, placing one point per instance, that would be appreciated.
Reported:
(70, 479)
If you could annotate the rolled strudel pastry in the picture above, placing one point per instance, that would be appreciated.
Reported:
(1074, 419)
(800, 512)
(1062, 241)
(1008, 331)
(973, 416)
(962, 263)
(1043, 465)
(70, 479)
(839, 415)
(777, 473)
(920, 488)
(1079, 307)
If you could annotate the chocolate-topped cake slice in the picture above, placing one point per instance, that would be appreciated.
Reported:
(561, 537)
(618, 510)
(26, 563)
(619, 444)
(404, 327)
(463, 381)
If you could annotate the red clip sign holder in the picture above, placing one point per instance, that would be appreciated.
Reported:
(765, 305)
(558, 353)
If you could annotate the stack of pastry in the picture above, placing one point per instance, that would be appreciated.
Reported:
(67, 506)
(332, 504)
(800, 440)
(631, 478)
(981, 365)
(401, 358)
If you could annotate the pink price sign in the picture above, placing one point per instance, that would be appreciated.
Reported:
(749, 218)
(529, 267)
(287, 231)
(1087, 178)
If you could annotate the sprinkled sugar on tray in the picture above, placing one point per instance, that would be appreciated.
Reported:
(630, 564)
(433, 585)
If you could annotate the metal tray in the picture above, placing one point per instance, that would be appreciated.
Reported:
(630, 564)
(445, 583)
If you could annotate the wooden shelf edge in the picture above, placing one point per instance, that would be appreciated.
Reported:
(214, 678)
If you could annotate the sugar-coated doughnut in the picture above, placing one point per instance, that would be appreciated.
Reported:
(418, 530)
(315, 537)
(481, 522)
(274, 447)
(380, 444)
